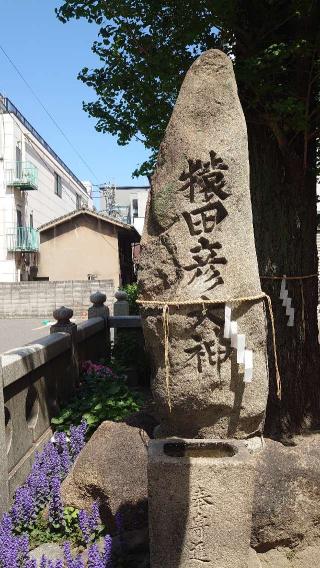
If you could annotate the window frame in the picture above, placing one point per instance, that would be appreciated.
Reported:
(78, 201)
(58, 184)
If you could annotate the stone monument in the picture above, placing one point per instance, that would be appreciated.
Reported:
(205, 327)
(198, 245)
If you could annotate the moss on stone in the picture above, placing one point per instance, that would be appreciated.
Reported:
(164, 205)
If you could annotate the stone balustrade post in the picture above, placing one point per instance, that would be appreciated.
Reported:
(4, 487)
(120, 307)
(100, 310)
(63, 316)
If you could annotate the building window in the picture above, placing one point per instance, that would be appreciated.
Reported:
(78, 201)
(57, 184)
(31, 220)
(19, 218)
(134, 208)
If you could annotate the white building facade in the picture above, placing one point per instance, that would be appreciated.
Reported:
(127, 203)
(35, 187)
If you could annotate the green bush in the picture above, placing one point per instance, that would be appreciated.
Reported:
(102, 395)
(132, 291)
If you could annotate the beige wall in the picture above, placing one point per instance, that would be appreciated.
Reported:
(81, 246)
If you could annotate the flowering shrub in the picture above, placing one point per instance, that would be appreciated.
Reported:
(37, 514)
(97, 370)
(102, 395)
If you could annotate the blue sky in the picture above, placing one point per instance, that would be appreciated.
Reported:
(50, 54)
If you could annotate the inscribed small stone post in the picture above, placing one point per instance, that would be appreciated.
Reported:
(198, 244)
(200, 502)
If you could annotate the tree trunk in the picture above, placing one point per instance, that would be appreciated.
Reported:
(284, 216)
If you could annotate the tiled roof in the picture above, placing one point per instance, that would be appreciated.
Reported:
(86, 211)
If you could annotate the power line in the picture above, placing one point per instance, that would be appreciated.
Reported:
(47, 112)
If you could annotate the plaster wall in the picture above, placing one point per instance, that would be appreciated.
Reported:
(80, 247)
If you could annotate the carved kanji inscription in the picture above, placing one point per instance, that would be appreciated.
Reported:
(209, 348)
(204, 182)
(204, 219)
(205, 259)
(206, 178)
(201, 502)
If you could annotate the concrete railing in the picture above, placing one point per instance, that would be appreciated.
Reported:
(37, 379)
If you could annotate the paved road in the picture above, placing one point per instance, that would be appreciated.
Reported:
(18, 332)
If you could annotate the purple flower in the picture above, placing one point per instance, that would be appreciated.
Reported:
(43, 561)
(23, 511)
(38, 485)
(30, 563)
(94, 520)
(53, 564)
(9, 549)
(67, 554)
(6, 525)
(107, 555)
(51, 460)
(62, 446)
(89, 523)
(94, 558)
(56, 518)
(23, 550)
(84, 525)
(70, 562)
(77, 438)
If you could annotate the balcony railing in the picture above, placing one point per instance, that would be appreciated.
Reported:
(23, 239)
(23, 175)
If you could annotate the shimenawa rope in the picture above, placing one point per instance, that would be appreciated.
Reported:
(177, 303)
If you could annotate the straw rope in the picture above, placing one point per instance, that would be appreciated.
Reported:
(177, 303)
(288, 277)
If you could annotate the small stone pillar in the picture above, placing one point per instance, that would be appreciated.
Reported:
(62, 316)
(100, 310)
(121, 306)
(200, 503)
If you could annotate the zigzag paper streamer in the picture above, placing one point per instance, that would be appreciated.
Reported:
(286, 302)
(238, 342)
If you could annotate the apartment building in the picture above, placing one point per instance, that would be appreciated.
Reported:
(125, 203)
(36, 186)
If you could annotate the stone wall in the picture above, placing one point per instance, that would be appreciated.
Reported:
(40, 298)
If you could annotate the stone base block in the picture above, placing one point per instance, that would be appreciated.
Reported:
(200, 503)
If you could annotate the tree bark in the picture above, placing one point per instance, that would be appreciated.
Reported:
(284, 214)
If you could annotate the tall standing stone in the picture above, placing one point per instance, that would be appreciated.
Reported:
(198, 244)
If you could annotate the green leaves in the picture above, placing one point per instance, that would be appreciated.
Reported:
(98, 399)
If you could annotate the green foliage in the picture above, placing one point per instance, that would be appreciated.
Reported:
(129, 353)
(98, 399)
(42, 532)
(146, 46)
(132, 291)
